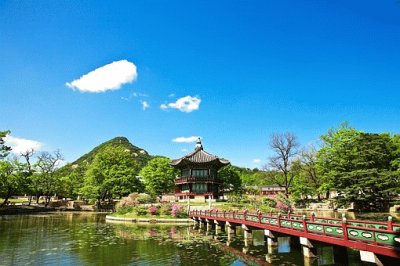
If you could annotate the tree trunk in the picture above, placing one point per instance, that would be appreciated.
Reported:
(47, 200)
(6, 199)
(30, 200)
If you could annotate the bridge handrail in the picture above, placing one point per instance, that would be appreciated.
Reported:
(362, 223)
(343, 229)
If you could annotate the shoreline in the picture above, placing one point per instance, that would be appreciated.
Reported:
(110, 218)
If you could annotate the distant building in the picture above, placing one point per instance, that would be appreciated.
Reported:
(272, 191)
(198, 178)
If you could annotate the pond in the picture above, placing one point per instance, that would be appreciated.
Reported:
(86, 239)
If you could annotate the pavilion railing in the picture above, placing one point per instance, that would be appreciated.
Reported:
(183, 180)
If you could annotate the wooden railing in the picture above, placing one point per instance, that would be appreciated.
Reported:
(184, 180)
(378, 233)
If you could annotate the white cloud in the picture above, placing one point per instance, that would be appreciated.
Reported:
(20, 145)
(109, 77)
(185, 104)
(185, 139)
(145, 105)
(256, 161)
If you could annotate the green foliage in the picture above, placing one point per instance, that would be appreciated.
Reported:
(360, 166)
(159, 176)
(269, 202)
(74, 175)
(4, 150)
(165, 209)
(124, 209)
(140, 210)
(230, 178)
(112, 172)
(144, 198)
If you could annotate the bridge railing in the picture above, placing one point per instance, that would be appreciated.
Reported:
(380, 233)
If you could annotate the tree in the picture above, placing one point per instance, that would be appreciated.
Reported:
(285, 148)
(46, 180)
(307, 180)
(159, 176)
(8, 180)
(360, 167)
(230, 178)
(112, 172)
(4, 150)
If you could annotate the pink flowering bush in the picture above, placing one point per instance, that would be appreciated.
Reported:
(178, 211)
(153, 210)
(282, 206)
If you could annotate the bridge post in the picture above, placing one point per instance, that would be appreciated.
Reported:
(368, 256)
(271, 240)
(209, 225)
(248, 236)
(308, 249)
(231, 230)
(390, 223)
(219, 226)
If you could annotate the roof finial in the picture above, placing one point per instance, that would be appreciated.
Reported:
(198, 145)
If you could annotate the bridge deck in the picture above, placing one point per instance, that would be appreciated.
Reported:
(378, 237)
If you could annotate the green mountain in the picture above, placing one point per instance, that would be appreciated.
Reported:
(79, 167)
(140, 155)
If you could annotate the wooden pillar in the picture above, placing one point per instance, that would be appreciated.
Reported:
(210, 225)
(248, 235)
(309, 252)
(219, 226)
(270, 238)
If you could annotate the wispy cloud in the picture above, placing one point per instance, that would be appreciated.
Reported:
(185, 104)
(185, 139)
(256, 161)
(108, 77)
(21, 145)
(145, 105)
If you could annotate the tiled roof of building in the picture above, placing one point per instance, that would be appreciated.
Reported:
(199, 156)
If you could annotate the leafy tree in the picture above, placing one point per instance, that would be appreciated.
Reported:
(159, 176)
(360, 167)
(72, 178)
(8, 181)
(46, 180)
(307, 180)
(230, 178)
(285, 147)
(255, 177)
(112, 172)
(4, 150)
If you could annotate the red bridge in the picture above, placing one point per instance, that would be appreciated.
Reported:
(373, 239)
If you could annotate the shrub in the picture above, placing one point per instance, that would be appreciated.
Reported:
(165, 209)
(140, 210)
(145, 198)
(269, 202)
(153, 210)
(178, 211)
(124, 209)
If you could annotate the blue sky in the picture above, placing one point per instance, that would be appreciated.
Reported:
(247, 69)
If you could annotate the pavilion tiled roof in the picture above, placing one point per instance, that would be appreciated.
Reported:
(199, 156)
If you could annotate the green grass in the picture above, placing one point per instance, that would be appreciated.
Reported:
(14, 200)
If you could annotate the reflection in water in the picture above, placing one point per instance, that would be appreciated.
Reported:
(85, 239)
